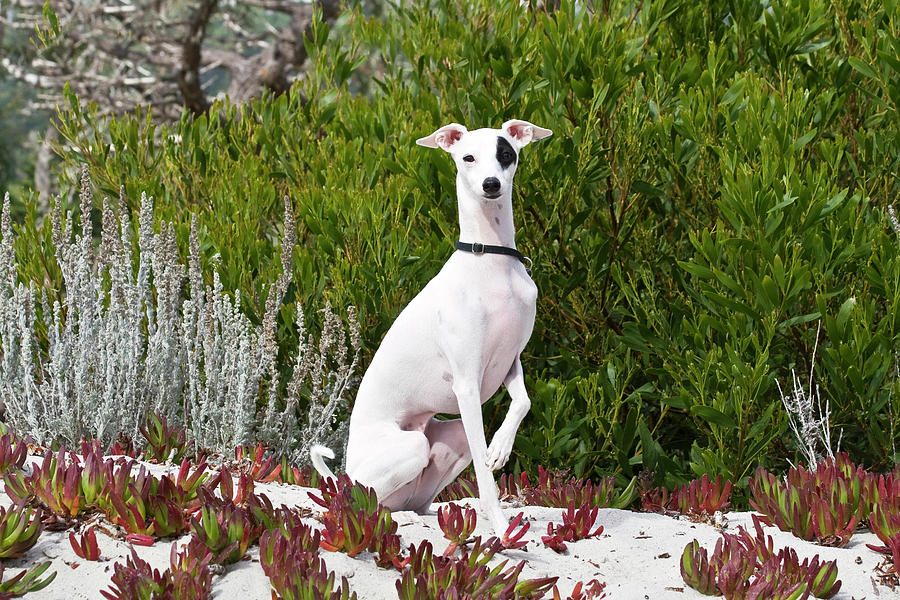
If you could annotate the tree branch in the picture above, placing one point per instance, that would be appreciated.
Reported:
(189, 75)
(164, 53)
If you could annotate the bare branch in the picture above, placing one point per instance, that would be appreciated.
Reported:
(120, 54)
(189, 75)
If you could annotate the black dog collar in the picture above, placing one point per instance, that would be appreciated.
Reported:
(478, 248)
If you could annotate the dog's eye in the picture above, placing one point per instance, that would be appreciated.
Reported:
(469, 158)
(507, 156)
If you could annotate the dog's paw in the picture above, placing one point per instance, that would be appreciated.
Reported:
(498, 453)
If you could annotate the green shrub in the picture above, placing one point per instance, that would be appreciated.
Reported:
(716, 185)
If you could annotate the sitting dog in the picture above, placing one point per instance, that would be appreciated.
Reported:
(454, 344)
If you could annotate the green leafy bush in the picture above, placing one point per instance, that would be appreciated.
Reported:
(716, 185)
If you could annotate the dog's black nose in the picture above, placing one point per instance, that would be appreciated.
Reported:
(491, 185)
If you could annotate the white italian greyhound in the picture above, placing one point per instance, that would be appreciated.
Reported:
(453, 345)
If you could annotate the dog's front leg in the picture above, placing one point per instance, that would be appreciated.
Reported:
(501, 445)
(468, 396)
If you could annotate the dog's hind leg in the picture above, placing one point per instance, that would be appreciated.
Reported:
(449, 455)
(389, 460)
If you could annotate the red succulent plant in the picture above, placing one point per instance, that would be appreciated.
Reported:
(458, 524)
(25, 581)
(512, 537)
(87, 547)
(354, 521)
(466, 576)
(823, 505)
(123, 446)
(289, 557)
(256, 465)
(225, 528)
(20, 527)
(576, 525)
(744, 566)
(554, 489)
(699, 497)
(165, 442)
(12, 452)
(187, 578)
(594, 590)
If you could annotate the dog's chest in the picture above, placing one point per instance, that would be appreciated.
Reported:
(496, 311)
(509, 306)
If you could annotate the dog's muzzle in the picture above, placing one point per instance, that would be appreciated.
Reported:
(491, 187)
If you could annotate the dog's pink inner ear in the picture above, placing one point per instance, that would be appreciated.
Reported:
(521, 132)
(447, 138)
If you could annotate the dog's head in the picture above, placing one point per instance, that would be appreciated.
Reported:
(486, 159)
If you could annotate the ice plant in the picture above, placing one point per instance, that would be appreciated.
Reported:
(86, 548)
(224, 482)
(746, 566)
(255, 466)
(25, 581)
(892, 549)
(354, 521)
(512, 537)
(289, 557)
(168, 519)
(146, 506)
(226, 530)
(66, 490)
(189, 570)
(130, 512)
(132, 503)
(291, 475)
(466, 576)
(464, 486)
(458, 524)
(141, 539)
(696, 570)
(164, 442)
(288, 522)
(348, 530)
(884, 521)
(184, 490)
(187, 578)
(123, 446)
(576, 525)
(592, 591)
(95, 473)
(698, 497)
(19, 530)
(58, 486)
(553, 489)
(388, 550)
(822, 505)
(136, 580)
(12, 452)
(18, 488)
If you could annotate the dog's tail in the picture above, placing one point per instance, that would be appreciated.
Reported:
(316, 454)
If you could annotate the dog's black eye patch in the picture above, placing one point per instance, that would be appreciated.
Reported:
(505, 153)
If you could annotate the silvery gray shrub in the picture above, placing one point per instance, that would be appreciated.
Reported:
(125, 341)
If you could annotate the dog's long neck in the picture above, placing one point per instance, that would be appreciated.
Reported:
(486, 221)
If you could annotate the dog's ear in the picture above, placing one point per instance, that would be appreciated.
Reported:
(523, 132)
(444, 137)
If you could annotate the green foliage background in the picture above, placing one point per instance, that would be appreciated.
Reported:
(715, 189)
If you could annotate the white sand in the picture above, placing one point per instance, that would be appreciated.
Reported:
(637, 556)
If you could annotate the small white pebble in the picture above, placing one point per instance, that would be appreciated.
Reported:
(719, 520)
